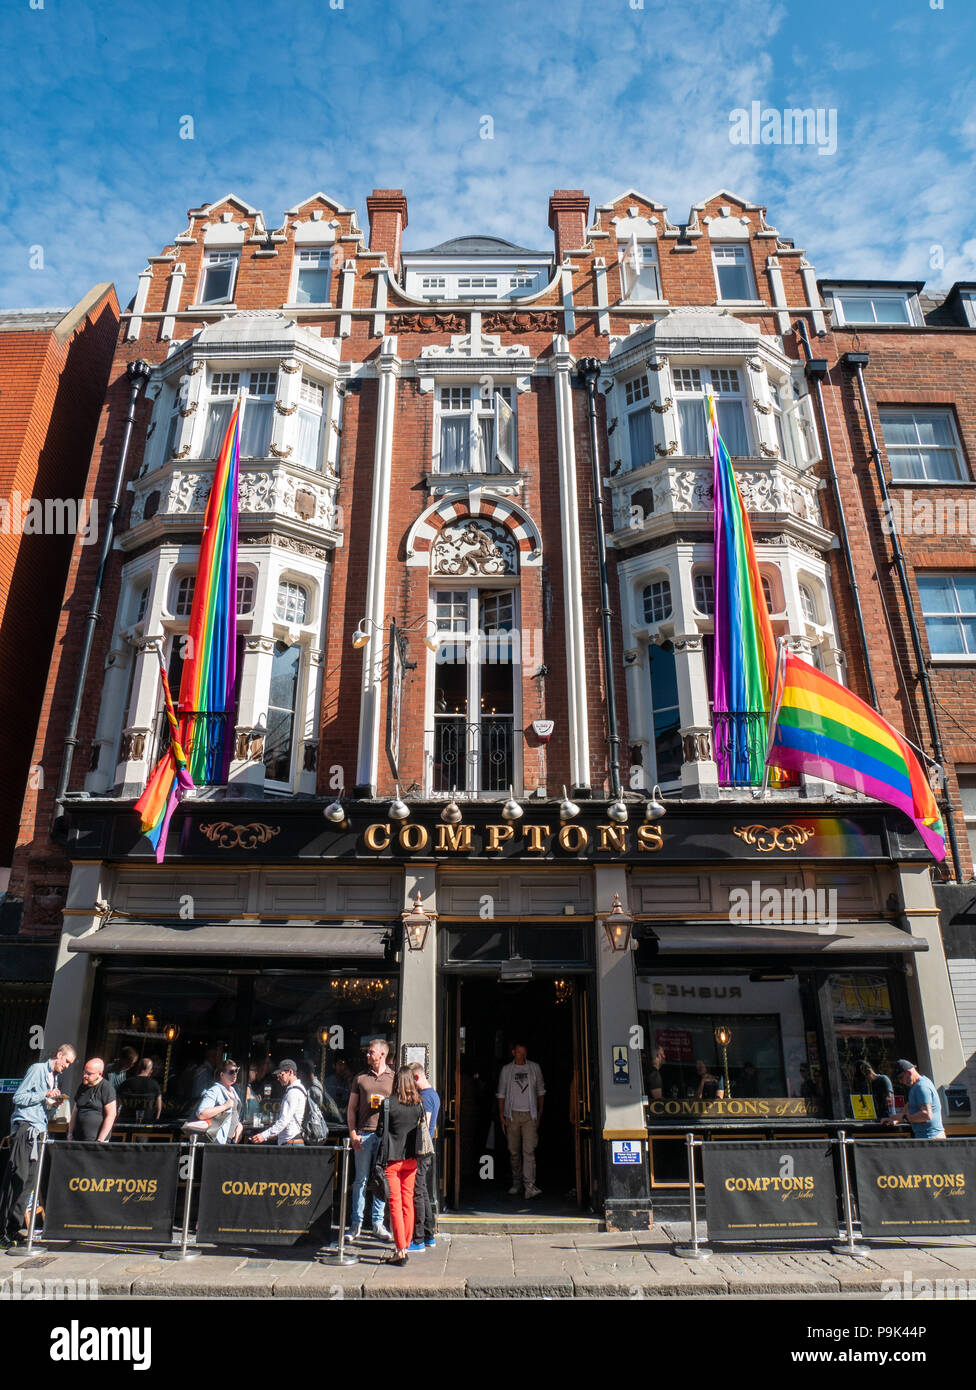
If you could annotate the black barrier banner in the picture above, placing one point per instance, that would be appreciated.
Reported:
(767, 1191)
(916, 1187)
(111, 1192)
(268, 1195)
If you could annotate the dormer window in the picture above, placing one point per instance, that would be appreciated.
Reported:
(873, 306)
(313, 269)
(641, 277)
(477, 286)
(733, 273)
(218, 278)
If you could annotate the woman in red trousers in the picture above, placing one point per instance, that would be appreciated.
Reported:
(398, 1154)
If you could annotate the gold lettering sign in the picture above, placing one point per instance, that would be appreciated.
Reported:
(454, 837)
(496, 834)
(377, 837)
(613, 837)
(776, 1107)
(534, 833)
(146, 1186)
(414, 836)
(575, 833)
(649, 837)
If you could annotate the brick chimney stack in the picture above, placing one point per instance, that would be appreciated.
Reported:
(568, 211)
(387, 208)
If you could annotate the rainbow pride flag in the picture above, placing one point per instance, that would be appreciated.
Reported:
(823, 729)
(205, 726)
(745, 649)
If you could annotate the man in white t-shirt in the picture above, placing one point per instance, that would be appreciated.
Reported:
(520, 1095)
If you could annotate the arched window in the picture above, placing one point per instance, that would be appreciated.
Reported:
(245, 593)
(657, 601)
(705, 593)
(808, 604)
(184, 595)
(767, 589)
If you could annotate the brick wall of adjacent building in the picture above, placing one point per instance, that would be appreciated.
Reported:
(53, 370)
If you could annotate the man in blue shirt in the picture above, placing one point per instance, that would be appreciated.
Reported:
(35, 1100)
(923, 1109)
(424, 1193)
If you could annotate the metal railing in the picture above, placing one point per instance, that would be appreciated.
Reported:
(212, 728)
(472, 757)
(739, 749)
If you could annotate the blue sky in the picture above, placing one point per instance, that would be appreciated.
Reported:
(289, 98)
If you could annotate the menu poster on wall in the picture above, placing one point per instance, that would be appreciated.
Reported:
(677, 1044)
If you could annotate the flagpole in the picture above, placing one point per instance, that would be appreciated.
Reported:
(776, 699)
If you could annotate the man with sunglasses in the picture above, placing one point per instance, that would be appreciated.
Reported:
(222, 1098)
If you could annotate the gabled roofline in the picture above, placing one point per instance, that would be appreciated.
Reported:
(227, 198)
(732, 198)
(317, 197)
(631, 193)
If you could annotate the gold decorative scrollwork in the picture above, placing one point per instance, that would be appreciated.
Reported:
(763, 409)
(285, 409)
(657, 366)
(769, 452)
(280, 453)
(665, 452)
(766, 838)
(186, 410)
(226, 836)
(663, 407)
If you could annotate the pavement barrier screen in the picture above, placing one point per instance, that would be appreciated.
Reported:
(767, 1191)
(111, 1192)
(268, 1196)
(916, 1187)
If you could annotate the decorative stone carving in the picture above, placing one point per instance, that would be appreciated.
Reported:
(657, 364)
(664, 407)
(426, 323)
(310, 757)
(474, 547)
(184, 452)
(522, 323)
(280, 453)
(697, 746)
(186, 410)
(663, 452)
(768, 451)
(688, 642)
(290, 366)
(763, 409)
(133, 745)
(285, 409)
(257, 492)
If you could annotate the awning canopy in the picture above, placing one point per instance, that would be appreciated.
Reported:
(755, 938)
(229, 939)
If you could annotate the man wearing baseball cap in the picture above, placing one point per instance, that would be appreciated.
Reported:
(287, 1128)
(923, 1109)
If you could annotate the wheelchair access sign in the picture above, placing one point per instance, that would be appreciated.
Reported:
(626, 1150)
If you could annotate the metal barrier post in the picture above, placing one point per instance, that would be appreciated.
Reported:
(181, 1252)
(694, 1251)
(35, 1198)
(339, 1256)
(849, 1248)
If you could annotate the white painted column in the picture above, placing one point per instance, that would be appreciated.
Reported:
(809, 277)
(934, 1019)
(177, 276)
(69, 1004)
(379, 318)
(139, 306)
(775, 275)
(602, 295)
(579, 734)
(247, 762)
(700, 769)
(664, 411)
(616, 1012)
(348, 274)
(418, 977)
(370, 708)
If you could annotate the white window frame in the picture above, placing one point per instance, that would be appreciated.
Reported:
(914, 413)
(311, 408)
(636, 397)
(302, 260)
(212, 259)
(474, 594)
(298, 714)
(967, 782)
(710, 377)
(904, 297)
(499, 408)
(963, 658)
(640, 259)
(245, 381)
(741, 256)
(661, 581)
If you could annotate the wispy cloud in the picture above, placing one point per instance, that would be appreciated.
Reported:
(392, 92)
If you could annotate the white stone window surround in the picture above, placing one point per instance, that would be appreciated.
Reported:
(457, 399)
(473, 588)
(189, 380)
(259, 627)
(734, 256)
(313, 257)
(215, 259)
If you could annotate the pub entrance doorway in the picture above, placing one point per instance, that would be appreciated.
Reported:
(484, 1018)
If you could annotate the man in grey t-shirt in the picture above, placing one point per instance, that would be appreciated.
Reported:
(520, 1095)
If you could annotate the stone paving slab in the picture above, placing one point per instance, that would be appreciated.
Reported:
(540, 1285)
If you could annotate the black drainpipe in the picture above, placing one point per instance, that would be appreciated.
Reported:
(816, 369)
(138, 373)
(857, 361)
(589, 369)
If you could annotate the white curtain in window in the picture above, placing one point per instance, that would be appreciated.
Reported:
(256, 434)
(218, 418)
(732, 427)
(454, 445)
(641, 437)
(694, 428)
(309, 449)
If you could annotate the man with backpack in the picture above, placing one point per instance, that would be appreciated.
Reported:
(299, 1118)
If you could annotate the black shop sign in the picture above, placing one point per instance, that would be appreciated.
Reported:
(916, 1187)
(767, 1191)
(269, 1195)
(111, 1192)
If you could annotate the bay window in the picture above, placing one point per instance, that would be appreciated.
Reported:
(311, 402)
(640, 430)
(730, 407)
(225, 387)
